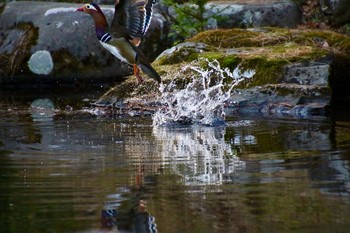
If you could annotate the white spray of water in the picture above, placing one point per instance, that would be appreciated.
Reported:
(202, 100)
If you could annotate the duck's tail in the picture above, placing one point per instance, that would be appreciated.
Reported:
(145, 66)
(148, 69)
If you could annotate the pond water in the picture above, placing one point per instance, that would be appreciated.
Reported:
(82, 173)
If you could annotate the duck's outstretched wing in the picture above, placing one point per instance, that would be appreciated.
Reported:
(132, 18)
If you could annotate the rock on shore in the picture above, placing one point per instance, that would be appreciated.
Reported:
(295, 72)
(63, 41)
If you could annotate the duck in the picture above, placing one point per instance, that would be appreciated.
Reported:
(130, 23)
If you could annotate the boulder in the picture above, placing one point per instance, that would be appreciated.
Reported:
(287, 72)
(318, 12)
(52, 43)
(282, 13)
(340, 10)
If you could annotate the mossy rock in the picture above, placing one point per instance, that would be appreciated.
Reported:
(269, 36)
(266, 50)
(185, 52)
(130, 88)
(276, 56)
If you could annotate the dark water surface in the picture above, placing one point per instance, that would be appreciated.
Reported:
(88, 174)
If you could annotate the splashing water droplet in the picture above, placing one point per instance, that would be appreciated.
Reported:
(203, 99)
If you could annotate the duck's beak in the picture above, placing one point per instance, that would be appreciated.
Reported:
(80, 9)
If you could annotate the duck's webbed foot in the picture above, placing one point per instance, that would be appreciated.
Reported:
(137, 74)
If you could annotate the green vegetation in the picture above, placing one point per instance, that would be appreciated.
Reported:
(269, 36)
(191, 18)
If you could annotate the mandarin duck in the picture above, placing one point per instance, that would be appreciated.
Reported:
(131, 21)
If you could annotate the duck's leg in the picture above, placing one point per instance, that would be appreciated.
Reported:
(137, 74)
(135, 41)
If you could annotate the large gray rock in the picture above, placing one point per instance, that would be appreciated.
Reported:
(311, 74)
(340, 11)
(65, 36)
(337, 11)
(282, 13)
(302, 91)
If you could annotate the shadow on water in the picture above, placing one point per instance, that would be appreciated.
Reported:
(88, 174)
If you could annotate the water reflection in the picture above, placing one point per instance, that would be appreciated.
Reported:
(196, 155)
(199, 154)
(83, 174)
(332, 175)
(136, 219)
(42, 110)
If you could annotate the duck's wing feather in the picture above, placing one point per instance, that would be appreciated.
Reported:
(132, 17)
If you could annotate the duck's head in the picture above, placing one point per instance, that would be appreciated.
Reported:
(99, 18)
(90, 8)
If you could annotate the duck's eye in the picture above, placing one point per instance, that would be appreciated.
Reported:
(90, 7)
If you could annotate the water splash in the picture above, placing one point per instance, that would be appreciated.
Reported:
(203, 99)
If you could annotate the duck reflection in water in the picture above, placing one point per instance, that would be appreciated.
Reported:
(142, 221)
(136, 219)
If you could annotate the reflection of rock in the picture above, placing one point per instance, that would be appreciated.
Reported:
(42, 110)
(332, 175)
(309, 140)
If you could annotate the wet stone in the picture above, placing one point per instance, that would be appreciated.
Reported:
(41, 62)
(312, 74)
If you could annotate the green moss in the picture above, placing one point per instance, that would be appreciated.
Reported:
(223, 38)
(226, 61)
(272, 45)
(319, 37)
(269, 36)
(295, 53)
(322, 39)
(230, 61)
(181, 55)
(229, 38)
(266, 71)
(130, 89)
(268, 62)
